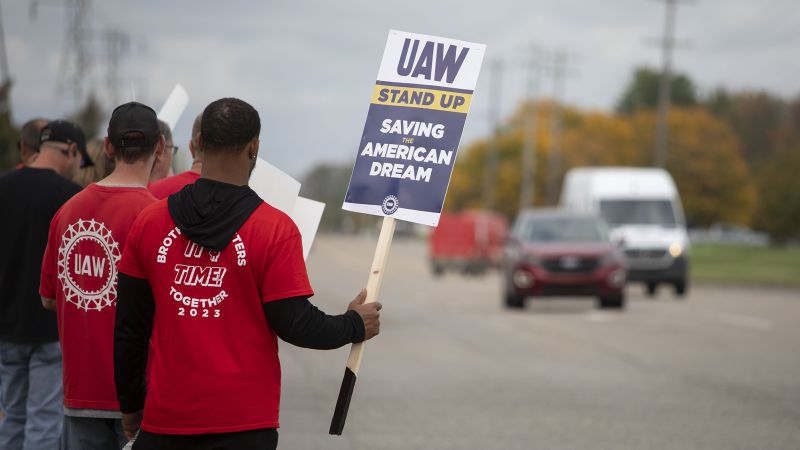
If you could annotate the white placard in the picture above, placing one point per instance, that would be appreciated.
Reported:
(174, 106)
(307, 214)
(171, 112)
(274, 187)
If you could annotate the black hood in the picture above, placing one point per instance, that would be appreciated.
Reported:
(210, 212)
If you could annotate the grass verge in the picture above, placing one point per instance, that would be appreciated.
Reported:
(745, 265)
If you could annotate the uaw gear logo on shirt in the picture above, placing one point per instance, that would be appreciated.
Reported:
(198, 273)
(87, 265)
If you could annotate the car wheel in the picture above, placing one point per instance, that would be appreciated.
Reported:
(514, 301)
(681, 288)
(612, 302)
(651, 289)
(438, 270)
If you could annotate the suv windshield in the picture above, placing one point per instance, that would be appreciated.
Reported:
(564, 229)
(638, 212)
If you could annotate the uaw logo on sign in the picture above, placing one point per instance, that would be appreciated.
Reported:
(87, 265)
(414, 124)
(390, 205)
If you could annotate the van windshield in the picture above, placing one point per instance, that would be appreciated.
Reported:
(638, 212)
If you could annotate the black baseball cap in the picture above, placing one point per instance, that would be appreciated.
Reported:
(68, 133)
(133, 125)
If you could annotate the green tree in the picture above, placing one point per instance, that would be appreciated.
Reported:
(642, 91)
(89, 117)
(764, 123)
(327, 183)
(779, 196)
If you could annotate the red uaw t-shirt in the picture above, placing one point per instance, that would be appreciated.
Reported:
(79, 271)
(170, 185)
(213, 362)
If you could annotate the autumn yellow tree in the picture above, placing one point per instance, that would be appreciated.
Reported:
(588, 138)
(704, 157)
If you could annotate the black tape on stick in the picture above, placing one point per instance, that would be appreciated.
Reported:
(343, 402)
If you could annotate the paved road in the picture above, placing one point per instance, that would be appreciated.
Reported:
(451, 369)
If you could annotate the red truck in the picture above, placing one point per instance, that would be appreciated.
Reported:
(469, 242)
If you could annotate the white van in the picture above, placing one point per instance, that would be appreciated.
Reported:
(643, 210)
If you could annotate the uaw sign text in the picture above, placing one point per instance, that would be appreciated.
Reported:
(415, 121)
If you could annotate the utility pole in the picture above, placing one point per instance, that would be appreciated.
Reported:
(554, 155)
(495, 93)
(667, 44)
(527, 186)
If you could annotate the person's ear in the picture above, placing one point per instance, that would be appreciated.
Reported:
(193, 150)
(252, 148)
(108, 149)
(159, 152)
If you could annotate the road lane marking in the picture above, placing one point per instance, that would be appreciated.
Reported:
(595, 316)
(741, 320)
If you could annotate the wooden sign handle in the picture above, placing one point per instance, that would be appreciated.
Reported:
(357, 350)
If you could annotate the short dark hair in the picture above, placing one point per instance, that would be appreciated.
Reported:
(228, 124)
(164, 127)
(196, 129)
(29, 135)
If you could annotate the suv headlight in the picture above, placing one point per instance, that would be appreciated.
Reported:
(523, 279)
(675, 250)
(616, 278)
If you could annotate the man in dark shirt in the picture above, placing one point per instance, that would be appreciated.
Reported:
(30, 356)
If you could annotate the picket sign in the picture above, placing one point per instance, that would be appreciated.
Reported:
(357, 350)
(170, 112)
(307, 215)
(408, 149)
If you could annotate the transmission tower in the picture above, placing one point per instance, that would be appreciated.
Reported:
(117, 45)
(76, 58)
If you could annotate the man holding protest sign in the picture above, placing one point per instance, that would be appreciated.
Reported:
(213, 275)
(408, 148)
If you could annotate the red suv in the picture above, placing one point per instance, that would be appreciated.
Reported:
(556, 253)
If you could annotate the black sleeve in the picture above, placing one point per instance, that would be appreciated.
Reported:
(300, 323)
(132, 328)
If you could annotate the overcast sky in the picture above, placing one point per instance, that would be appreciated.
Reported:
(308, 66)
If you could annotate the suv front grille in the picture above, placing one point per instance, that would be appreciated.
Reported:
(570, 264)
(645, 253)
